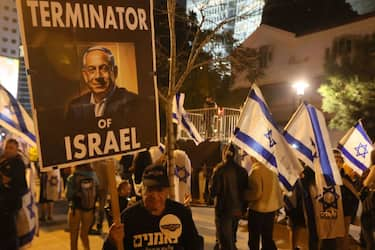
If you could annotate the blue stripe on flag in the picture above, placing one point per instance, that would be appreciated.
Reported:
(360, 129)
(353, 160)
(257, 147)
(14, 125)
(298, 145)
(263, 107)
(188, 128)
(178, 103)
(285, 182)
(18, 113)
(323, 156)
(27, 238)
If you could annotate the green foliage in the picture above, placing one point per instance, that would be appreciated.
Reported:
(349, 89)
(349, 100)
(246, 61)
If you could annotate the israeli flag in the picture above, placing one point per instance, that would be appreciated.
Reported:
(157, 152)
(27, 217)
(259, 135)
(180, 117)
(307, 133)
(14, 118)
(356, 147)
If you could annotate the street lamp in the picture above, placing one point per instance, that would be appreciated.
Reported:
(300, 87)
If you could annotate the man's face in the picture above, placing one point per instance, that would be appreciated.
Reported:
(339, 161)
(154, 199)
(98, 73)
(124, 190)
(11, 150)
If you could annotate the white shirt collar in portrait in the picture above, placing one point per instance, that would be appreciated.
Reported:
(101, 105)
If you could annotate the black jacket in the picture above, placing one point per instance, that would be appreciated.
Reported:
(229, 183)
(120, 107)
(15, 169)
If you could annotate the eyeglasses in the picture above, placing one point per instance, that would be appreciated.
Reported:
(104, 68)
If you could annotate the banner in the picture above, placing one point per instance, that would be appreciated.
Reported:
(259, 135)
(356, 148)
(91, 72)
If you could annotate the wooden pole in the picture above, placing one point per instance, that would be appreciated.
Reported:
(111, 174)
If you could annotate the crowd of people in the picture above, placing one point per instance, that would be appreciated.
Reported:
(151, 220)
(259, 193)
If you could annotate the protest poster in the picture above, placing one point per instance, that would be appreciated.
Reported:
(91, 74)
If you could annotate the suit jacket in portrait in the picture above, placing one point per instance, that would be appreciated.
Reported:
(120, 107)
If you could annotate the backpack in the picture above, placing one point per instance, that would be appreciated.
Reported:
(84, 196)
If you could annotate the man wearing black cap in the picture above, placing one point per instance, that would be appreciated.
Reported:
(155, 222)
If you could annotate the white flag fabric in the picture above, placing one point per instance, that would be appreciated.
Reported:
(307, 133)
(27, 220)
(27, 217)
(14, 118)
(182, 175)
(258, 134)
(180, 117)
(157, 152)
(356, 147)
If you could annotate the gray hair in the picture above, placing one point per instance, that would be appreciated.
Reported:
(107, 51)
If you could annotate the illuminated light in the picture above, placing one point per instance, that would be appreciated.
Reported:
(300, 87)
(9, 74)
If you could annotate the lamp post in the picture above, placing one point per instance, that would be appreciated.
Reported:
(300, 87)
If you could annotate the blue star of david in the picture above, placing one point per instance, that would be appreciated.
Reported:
(181, 173)
(361, 150)
(30, 207)
(329, 198)
(271, 141)
(314, 152)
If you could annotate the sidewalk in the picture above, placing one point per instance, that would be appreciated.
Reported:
(53, 234)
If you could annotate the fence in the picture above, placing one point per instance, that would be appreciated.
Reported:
(213, 123)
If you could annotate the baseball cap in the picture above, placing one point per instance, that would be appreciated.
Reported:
(155, 176)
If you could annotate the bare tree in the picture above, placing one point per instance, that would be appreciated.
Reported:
(242, 60)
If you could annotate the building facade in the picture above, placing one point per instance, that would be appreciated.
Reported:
(10, 48)
(246, 16)
(23, 94)
(288, 58)
(10, 36)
